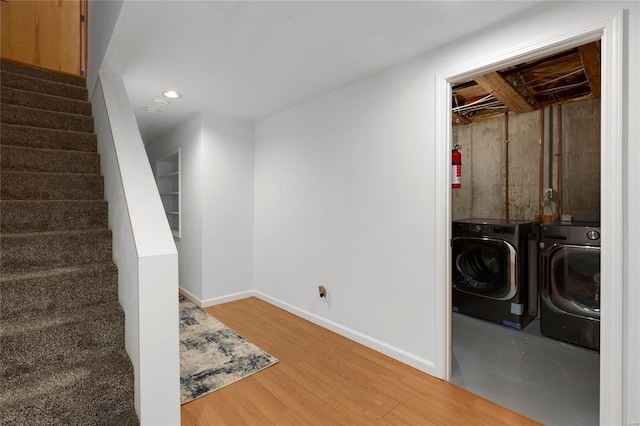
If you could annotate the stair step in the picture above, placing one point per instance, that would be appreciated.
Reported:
(37, 137)
(19, 159)
(17, 216)
(50, 186)
(51, 103)
(14, 114)
(95, 392)
(62, 358)
(56, 290)
(69, 336)
(47, 87)
(43, 74)
(38, 251)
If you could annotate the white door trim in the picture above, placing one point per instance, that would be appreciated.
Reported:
(609, 29)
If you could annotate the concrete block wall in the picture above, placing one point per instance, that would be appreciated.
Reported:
(484, 160)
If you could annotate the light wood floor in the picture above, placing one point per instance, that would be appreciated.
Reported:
(325, 379)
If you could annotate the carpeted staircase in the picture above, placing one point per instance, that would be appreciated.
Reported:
(62, 358)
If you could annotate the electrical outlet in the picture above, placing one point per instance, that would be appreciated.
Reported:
(548, 194)
(322, 291)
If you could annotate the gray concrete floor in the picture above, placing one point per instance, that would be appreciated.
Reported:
(552, 382)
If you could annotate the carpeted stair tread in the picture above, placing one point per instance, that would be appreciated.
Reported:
(9, 328)
(44, 86)
(30, 99)
(50, 186)
(15, 114)
(38, 137)
(97, 392)
(30, 252)
(61, 337)
(55, 290)
(17, 216)
(40, 73)
(18, 159)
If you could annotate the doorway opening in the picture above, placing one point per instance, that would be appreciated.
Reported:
(529, 139)
(608, 29)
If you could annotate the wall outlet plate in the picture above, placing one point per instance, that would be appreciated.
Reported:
(322, 291)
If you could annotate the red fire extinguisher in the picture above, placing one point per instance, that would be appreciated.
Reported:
(456, 167)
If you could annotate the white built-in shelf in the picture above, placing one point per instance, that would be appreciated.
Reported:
(167, 171)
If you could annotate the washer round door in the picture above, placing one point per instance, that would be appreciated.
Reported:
(484, 267)
(571, 279)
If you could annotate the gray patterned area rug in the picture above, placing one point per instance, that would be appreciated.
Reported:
(212, 355)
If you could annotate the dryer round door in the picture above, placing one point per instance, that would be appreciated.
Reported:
(571, 279)
(484, 267)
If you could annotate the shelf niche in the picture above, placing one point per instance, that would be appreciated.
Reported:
(167, 170)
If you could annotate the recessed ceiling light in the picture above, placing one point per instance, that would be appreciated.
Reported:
(153, 110)
(171, 94)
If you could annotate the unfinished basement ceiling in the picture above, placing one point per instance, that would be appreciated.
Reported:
(569, 76)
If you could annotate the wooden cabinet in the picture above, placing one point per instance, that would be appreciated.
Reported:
(167, 170)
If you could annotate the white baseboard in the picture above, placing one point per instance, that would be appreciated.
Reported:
(186, 293)
(205, 303)
(403, 356)
(227, 298)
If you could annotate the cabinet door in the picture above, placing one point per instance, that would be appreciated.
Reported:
(45, 33)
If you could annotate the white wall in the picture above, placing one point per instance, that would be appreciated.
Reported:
(345, 186)
(227, 222)
(216, 244)
(188, 138)
(101, 21)
(342, 200)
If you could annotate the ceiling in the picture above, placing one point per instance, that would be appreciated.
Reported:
(568, 76)
(252, 59)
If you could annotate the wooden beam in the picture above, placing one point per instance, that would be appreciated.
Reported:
(469, 92)
(504, 92)
(590, 56)
(458, 119)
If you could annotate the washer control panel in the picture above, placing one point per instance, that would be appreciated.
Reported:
(570, 234)
(593, 235)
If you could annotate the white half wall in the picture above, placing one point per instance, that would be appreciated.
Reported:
(144, 253)
(345, 189)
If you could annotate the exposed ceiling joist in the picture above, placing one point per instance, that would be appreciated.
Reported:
(504, 92)
(458, 119)
(590, 56)
(568, 76)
